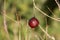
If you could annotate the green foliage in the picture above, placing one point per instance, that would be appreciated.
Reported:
(18, 12)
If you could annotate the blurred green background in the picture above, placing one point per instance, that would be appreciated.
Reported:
(18, 12)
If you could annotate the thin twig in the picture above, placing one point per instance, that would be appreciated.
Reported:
(4, 20)
(44, 12)
(27, 34)
(45, 37)
(40, 36)
(46, 27)
(47, 33)
(53, 13)
(34, 15)
(5, 25)
(57, 4)
(31, 35)
(11, 18)
(46, 30)
(16, 29)
(37, 37)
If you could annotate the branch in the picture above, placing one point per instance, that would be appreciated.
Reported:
(47, 16)
(45, 13)
(53, 13)
(46, 33)
(57, 4)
